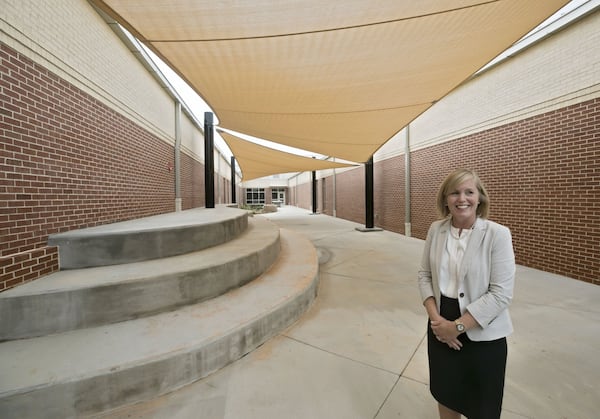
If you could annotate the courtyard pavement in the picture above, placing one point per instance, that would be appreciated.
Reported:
(359, 352)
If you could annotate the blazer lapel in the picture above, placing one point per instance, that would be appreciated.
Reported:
(474, 242)
(440, 247)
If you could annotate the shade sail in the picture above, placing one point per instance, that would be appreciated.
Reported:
(338, 78)
(258, 161)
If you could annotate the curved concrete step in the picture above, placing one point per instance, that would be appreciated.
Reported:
(93, 370)
(148, 238)
(81, 298)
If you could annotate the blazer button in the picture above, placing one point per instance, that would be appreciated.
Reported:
(461, 295)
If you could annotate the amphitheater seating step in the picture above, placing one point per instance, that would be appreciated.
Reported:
(254, 285)
(148, 238)
(79, 298)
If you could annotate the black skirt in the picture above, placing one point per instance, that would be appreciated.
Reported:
(469, 381)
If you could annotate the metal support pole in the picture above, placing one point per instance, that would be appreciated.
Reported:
(369, 207)
(233, 200)
(407, 218)
(177, 156)
(209, 161)
(369, 212)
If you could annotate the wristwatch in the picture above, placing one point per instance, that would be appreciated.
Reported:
(459, 326)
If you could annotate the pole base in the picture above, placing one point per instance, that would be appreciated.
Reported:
(368, 229)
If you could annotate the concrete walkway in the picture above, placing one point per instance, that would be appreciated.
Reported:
(360, 353)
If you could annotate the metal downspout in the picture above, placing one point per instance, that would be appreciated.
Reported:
(314, 191)
(218, 182)
(407, 220)
(334, 192)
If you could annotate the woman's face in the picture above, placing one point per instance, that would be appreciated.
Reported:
(462, 203)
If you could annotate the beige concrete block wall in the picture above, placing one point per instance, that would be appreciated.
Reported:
(69, 38)
(72, 40)
(192, 139)
(562, 70)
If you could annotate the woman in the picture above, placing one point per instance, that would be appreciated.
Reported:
(466, 283)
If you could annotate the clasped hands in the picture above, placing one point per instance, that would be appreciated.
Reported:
(445, 331)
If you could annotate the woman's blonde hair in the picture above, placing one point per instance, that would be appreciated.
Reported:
(451, 184)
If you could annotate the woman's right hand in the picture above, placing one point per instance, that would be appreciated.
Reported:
(445, 331)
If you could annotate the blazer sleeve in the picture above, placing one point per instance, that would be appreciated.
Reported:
(425, 277)
(499, 293)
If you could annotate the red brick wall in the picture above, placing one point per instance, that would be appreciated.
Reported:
(326, 201)
(26, 266)
(543, 177)
(192, 183)
(268, 196)
(388, 194)
(350, 195)
(67, 161)
(542, 174)
(291, 196)
(302, 195)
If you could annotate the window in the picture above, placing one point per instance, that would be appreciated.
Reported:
(255, 196)
(278, 196)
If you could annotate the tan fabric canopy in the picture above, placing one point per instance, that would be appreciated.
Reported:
(257, 161)
(338, 78)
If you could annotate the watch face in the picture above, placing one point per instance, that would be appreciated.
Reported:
(460, 327)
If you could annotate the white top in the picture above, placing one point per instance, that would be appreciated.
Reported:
(451, 261)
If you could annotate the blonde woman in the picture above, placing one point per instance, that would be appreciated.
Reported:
(466, 283)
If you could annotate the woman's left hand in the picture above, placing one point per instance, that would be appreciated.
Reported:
(445, 331)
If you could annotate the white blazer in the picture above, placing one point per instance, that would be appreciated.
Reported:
(486, 277)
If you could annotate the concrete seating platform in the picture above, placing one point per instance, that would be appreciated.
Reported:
(360, 351)
(94, 369)
(148, 238)
(79, 298)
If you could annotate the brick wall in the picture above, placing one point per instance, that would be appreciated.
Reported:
(26, 266)
(67, 162)
(302, 195)
(388, 194)
(542, 174)
(326, 201)
(543, 177)
(350, 195)
(192, 183)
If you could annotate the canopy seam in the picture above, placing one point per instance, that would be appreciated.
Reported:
(342, 28)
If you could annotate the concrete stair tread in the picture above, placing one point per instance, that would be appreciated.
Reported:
(259, 232)
(196, 216)
(148, 238)
(29, 365)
